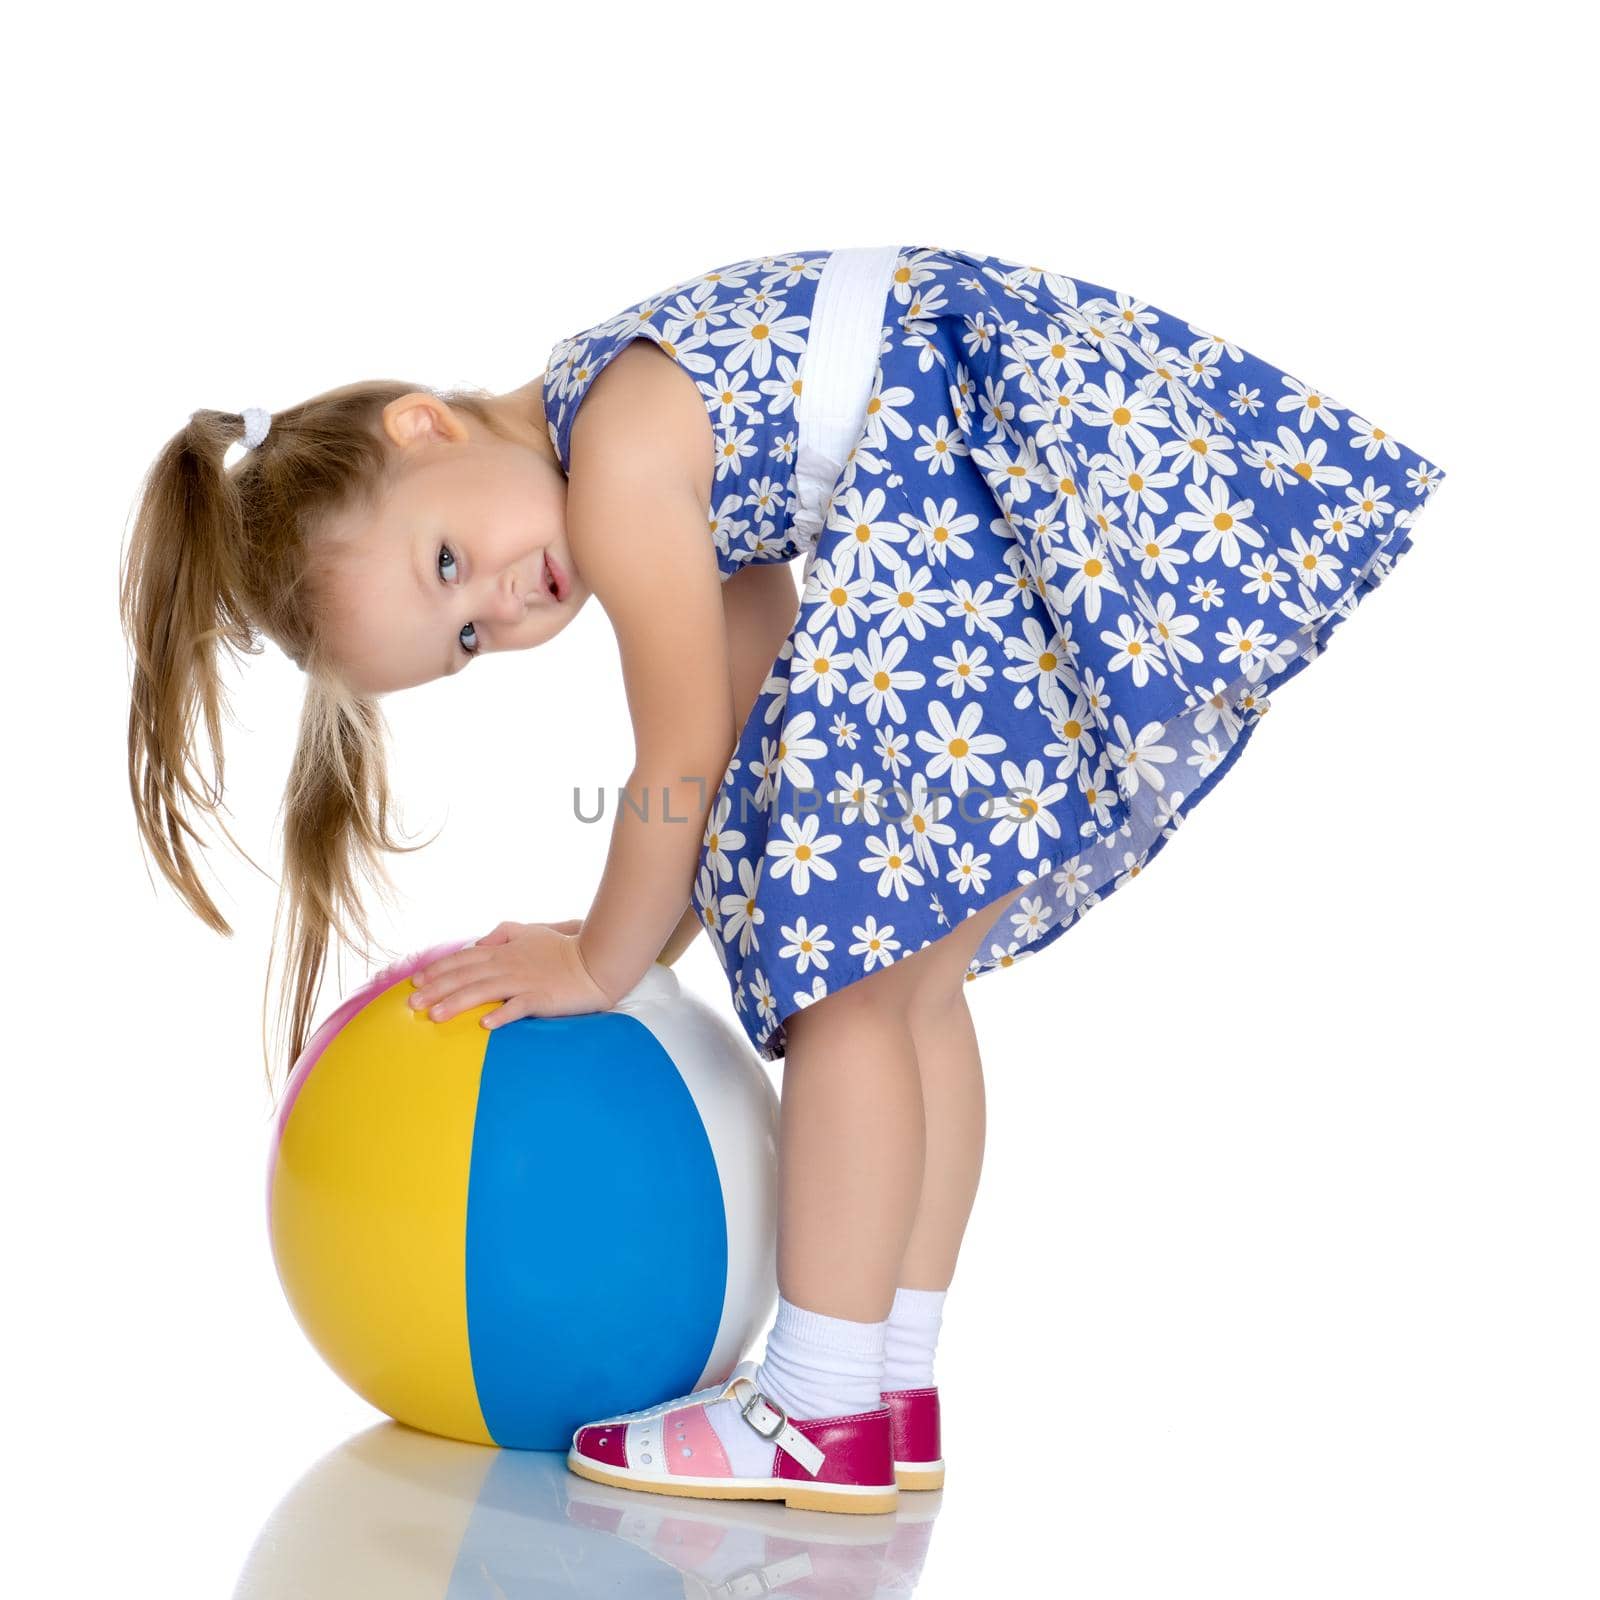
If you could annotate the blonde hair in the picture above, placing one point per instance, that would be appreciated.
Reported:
(221, 556)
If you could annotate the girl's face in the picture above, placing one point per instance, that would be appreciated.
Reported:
(467, 553)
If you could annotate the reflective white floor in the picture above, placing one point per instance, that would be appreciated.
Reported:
(484, 1522)
(397, 1513)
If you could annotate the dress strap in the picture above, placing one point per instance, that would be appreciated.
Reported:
(837, 371)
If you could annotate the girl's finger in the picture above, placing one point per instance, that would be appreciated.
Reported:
(451, 972)
(465, 998)
(513, 1008)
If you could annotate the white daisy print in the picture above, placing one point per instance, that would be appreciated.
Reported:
(957, 747)
(875, 945)
(892, 860)
(802, 851)
(805, 945)
(879, 681)
(819, 666)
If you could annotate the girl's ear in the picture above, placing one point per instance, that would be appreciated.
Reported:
(420, 415)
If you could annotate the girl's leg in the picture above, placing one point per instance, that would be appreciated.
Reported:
(954, 1116)
(850, 1169)
(852, 1144)
(951, 1073)
(850, 1148)
(881, 1140)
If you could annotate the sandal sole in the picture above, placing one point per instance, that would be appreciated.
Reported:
(864, 1501)
(921, 1476)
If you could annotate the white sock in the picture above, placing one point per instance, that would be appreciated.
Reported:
(911, 1337)
(814, 1366)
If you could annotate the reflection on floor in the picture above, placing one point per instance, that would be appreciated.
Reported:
(406, 1516)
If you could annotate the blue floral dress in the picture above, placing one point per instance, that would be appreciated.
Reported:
(1078, 544)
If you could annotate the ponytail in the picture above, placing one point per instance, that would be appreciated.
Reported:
(178, 600)
(220, 557)
(336, 826)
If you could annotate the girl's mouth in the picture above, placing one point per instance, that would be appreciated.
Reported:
(555, 579)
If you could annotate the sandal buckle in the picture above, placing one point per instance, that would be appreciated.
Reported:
(783, 1416)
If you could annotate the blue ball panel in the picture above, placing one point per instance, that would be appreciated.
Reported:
(597, 1247)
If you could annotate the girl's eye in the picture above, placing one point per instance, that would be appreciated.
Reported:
(471, 647)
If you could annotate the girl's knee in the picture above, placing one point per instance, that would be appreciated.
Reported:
(941, 967)
(938, 1012)
(926, 982)
(877, 1000)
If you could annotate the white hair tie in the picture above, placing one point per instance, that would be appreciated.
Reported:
(256, 422)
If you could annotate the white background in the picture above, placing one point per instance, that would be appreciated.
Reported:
(1282, 1276)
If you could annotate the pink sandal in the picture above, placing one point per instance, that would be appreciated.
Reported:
(914, 1429)
(818, 1463)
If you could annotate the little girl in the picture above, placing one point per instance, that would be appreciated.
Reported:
(1059, 547)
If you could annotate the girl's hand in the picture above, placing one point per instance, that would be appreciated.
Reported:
(571, 925)
(533, 967)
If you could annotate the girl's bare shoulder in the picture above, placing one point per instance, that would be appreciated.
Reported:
(643, 408)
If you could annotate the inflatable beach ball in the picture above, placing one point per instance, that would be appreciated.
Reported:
(500, 1234)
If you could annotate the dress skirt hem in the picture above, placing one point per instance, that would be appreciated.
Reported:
(1028, 936)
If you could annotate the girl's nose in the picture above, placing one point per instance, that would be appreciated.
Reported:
(510, 606)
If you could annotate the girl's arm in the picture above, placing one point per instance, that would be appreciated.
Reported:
(759, 606)
(681, 937)
(639, 533)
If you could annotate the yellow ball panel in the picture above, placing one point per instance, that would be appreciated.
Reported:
(369, 1210)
